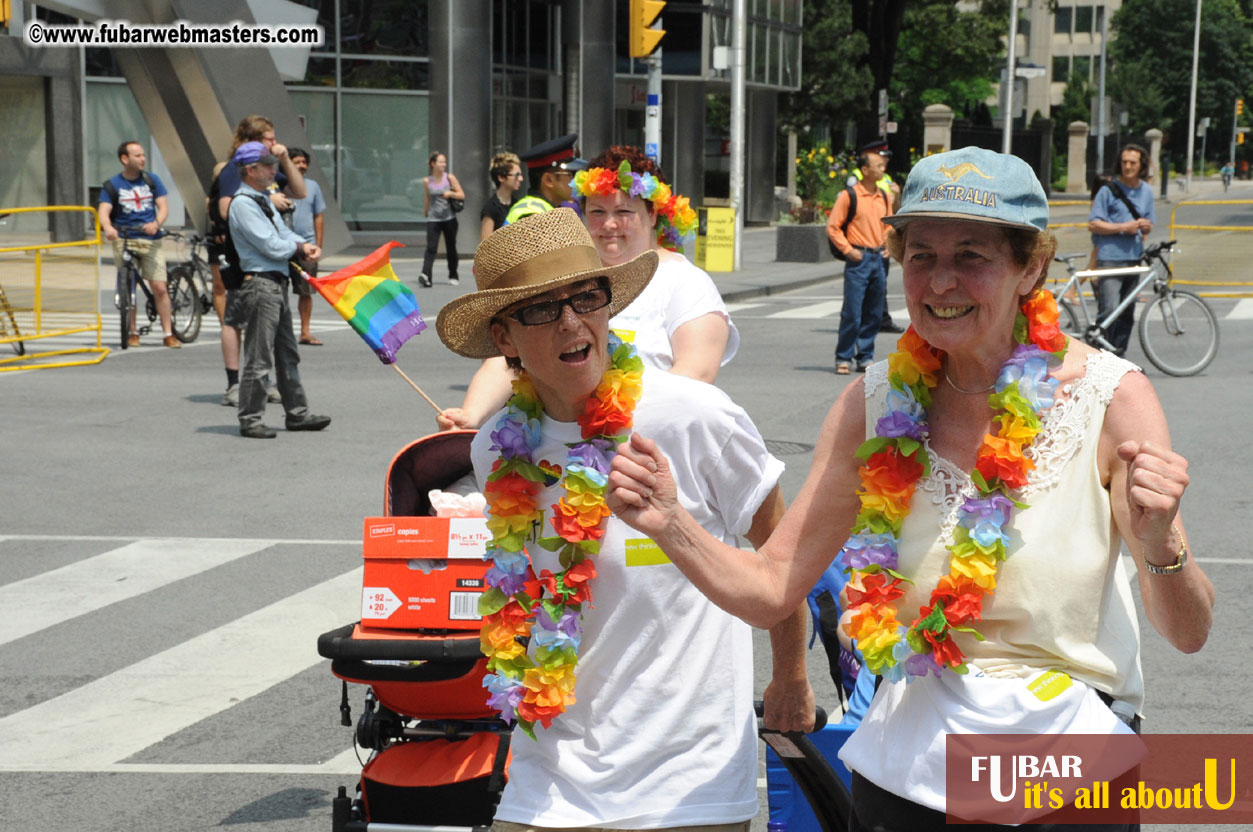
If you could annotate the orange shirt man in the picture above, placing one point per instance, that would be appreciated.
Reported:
(865, 273)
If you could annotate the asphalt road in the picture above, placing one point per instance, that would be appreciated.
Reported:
(188, 696)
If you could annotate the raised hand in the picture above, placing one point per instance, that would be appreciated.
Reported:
(641, 488)
(1156, 479)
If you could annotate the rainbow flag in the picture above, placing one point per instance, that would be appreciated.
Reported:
(374, 302)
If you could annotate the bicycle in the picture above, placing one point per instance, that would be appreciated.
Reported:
(184, 304)
(1178, 330)
(196, 268)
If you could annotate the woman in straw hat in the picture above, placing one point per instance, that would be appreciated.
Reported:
(679, 323)
(659, 730)
(964, 597)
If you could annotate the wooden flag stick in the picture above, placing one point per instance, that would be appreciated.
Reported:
(438, 409)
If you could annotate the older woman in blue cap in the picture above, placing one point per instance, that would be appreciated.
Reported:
(978, 486)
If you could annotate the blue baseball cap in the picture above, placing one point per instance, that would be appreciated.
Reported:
(974, 185)
(251, 153)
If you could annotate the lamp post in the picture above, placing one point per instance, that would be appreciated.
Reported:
(1007, 139)
(1196, 52)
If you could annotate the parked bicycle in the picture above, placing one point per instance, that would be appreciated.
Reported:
(184, 302)
(195, 268)
(1178, 330)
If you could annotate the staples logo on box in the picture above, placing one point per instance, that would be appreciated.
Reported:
(382, 531)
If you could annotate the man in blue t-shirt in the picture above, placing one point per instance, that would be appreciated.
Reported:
(307, 221)
(1121, 220)
(133, 206)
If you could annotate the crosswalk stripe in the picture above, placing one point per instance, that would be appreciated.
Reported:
(1242, 311)
(346, 763)
(104, 722)
(50, 598)
(813, 310)
(736, 308)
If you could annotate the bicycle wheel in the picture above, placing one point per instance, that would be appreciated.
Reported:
(124, 300)
(1179, 333)
(1068, 320)
(184, 304)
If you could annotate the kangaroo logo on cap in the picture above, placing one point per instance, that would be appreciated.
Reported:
(961, 170)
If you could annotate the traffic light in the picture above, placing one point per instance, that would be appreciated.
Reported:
(1239, 106)
(644, 40)
(1239, 138)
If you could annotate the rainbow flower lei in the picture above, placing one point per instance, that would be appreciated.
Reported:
(539, 689)
(677, 220)
(896, 459)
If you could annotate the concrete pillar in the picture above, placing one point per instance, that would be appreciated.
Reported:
(1155, 152)
(461, 101)
(682, 122)
(588, 32)
(791, 166)
(1077, 158)
(759, 148)
(937, 131)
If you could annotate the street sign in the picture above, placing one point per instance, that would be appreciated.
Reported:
(1030, 71)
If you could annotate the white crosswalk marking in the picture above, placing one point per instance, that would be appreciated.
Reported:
(53, 597)
(97, 725)
(811, 311)
(1242, 311)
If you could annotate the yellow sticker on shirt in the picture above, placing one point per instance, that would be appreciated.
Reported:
(643, 551)
(627, 335)
(1049, 685)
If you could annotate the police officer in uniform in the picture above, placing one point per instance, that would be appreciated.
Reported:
(893, 191)
(550, 167)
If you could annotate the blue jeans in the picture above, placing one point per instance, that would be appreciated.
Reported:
(865, 289)
(268, 343)
(1110, 292)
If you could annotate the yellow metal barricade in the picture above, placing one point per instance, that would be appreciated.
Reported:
(50, 291)
(1212, 255)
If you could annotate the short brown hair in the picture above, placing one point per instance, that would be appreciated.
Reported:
(634, 156)
(1025, 245)
(123, 149)
(251, 129)
(501, 164)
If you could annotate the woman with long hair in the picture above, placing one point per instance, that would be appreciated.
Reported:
(438, 187)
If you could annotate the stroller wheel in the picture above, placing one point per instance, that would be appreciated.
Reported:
(378, 728)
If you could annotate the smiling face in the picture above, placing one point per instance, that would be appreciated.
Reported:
(1129, 166)
(566, 358)
(962, 286)
(621, 226)
(439, 164)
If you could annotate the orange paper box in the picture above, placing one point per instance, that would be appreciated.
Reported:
(423, 572)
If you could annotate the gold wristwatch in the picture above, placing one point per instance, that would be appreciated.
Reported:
(1177, 566)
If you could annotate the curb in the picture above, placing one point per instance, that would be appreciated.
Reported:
(737, 295)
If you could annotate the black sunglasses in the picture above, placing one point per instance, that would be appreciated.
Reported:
(545, 312)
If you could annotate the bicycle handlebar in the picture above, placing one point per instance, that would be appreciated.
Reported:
(1155, 251)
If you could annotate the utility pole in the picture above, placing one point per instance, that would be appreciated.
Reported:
(1196, 53)
(1011, 76)
(1100, 97)
(643, 42)
(739, 16)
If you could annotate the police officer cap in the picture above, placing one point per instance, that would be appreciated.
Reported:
(879, 146)
(559, 154)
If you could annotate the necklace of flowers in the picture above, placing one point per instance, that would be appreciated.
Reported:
(896, 458)
(676, 224)
(538, 689)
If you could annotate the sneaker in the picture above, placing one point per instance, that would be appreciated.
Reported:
(454, 281)
(424, 280)
(172, 342)
(133, 340)
(892, 327)
(308, 422)
(257, 431)
(273, 396)
(231, 397)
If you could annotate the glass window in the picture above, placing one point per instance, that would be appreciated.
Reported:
(112, 117)
(326, 19)
(317, 112)
(758, 62)
(382, 150)
(539, 36)
(23, 151)
(1100, 18)
(680, 48)
(1083, 18)
(319, 72)
(385, 75)
(1061, 68)
(383, 27)
(1061, 20)
(788, 60)
(1083, 67)
(100, 63)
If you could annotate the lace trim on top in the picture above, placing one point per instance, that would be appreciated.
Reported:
(1065, 424)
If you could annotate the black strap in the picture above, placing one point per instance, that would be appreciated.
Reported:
(828, 625)
(1117, 191)
(496, 782)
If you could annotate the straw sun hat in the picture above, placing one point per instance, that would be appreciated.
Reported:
(535, 255)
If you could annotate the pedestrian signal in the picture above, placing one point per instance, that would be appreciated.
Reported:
(643, 40)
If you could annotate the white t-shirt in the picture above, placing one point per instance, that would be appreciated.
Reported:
(662, 733)
(679, 292)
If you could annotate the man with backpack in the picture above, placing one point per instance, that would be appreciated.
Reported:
(855, 229)
(265, 247)
(1121, 219)
(133, 206)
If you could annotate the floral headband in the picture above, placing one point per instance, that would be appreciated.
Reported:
(677, 225)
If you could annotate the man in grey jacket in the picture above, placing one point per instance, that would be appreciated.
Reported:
(265, 245)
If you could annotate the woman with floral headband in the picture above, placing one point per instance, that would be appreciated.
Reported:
(680, 324)
(635, 692)
(978, 486)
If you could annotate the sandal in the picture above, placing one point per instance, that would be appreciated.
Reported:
(311, 342)
(843, 368)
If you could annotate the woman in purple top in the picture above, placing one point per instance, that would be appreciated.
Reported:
(439, 187)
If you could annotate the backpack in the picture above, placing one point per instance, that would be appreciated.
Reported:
(111, 189)
(852, 212)
(232, 274)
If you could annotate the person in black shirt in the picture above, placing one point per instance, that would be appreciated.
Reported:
(506, 173)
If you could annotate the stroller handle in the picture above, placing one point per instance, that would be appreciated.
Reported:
(820, 720)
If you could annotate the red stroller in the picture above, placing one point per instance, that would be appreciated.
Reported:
(438, 754)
